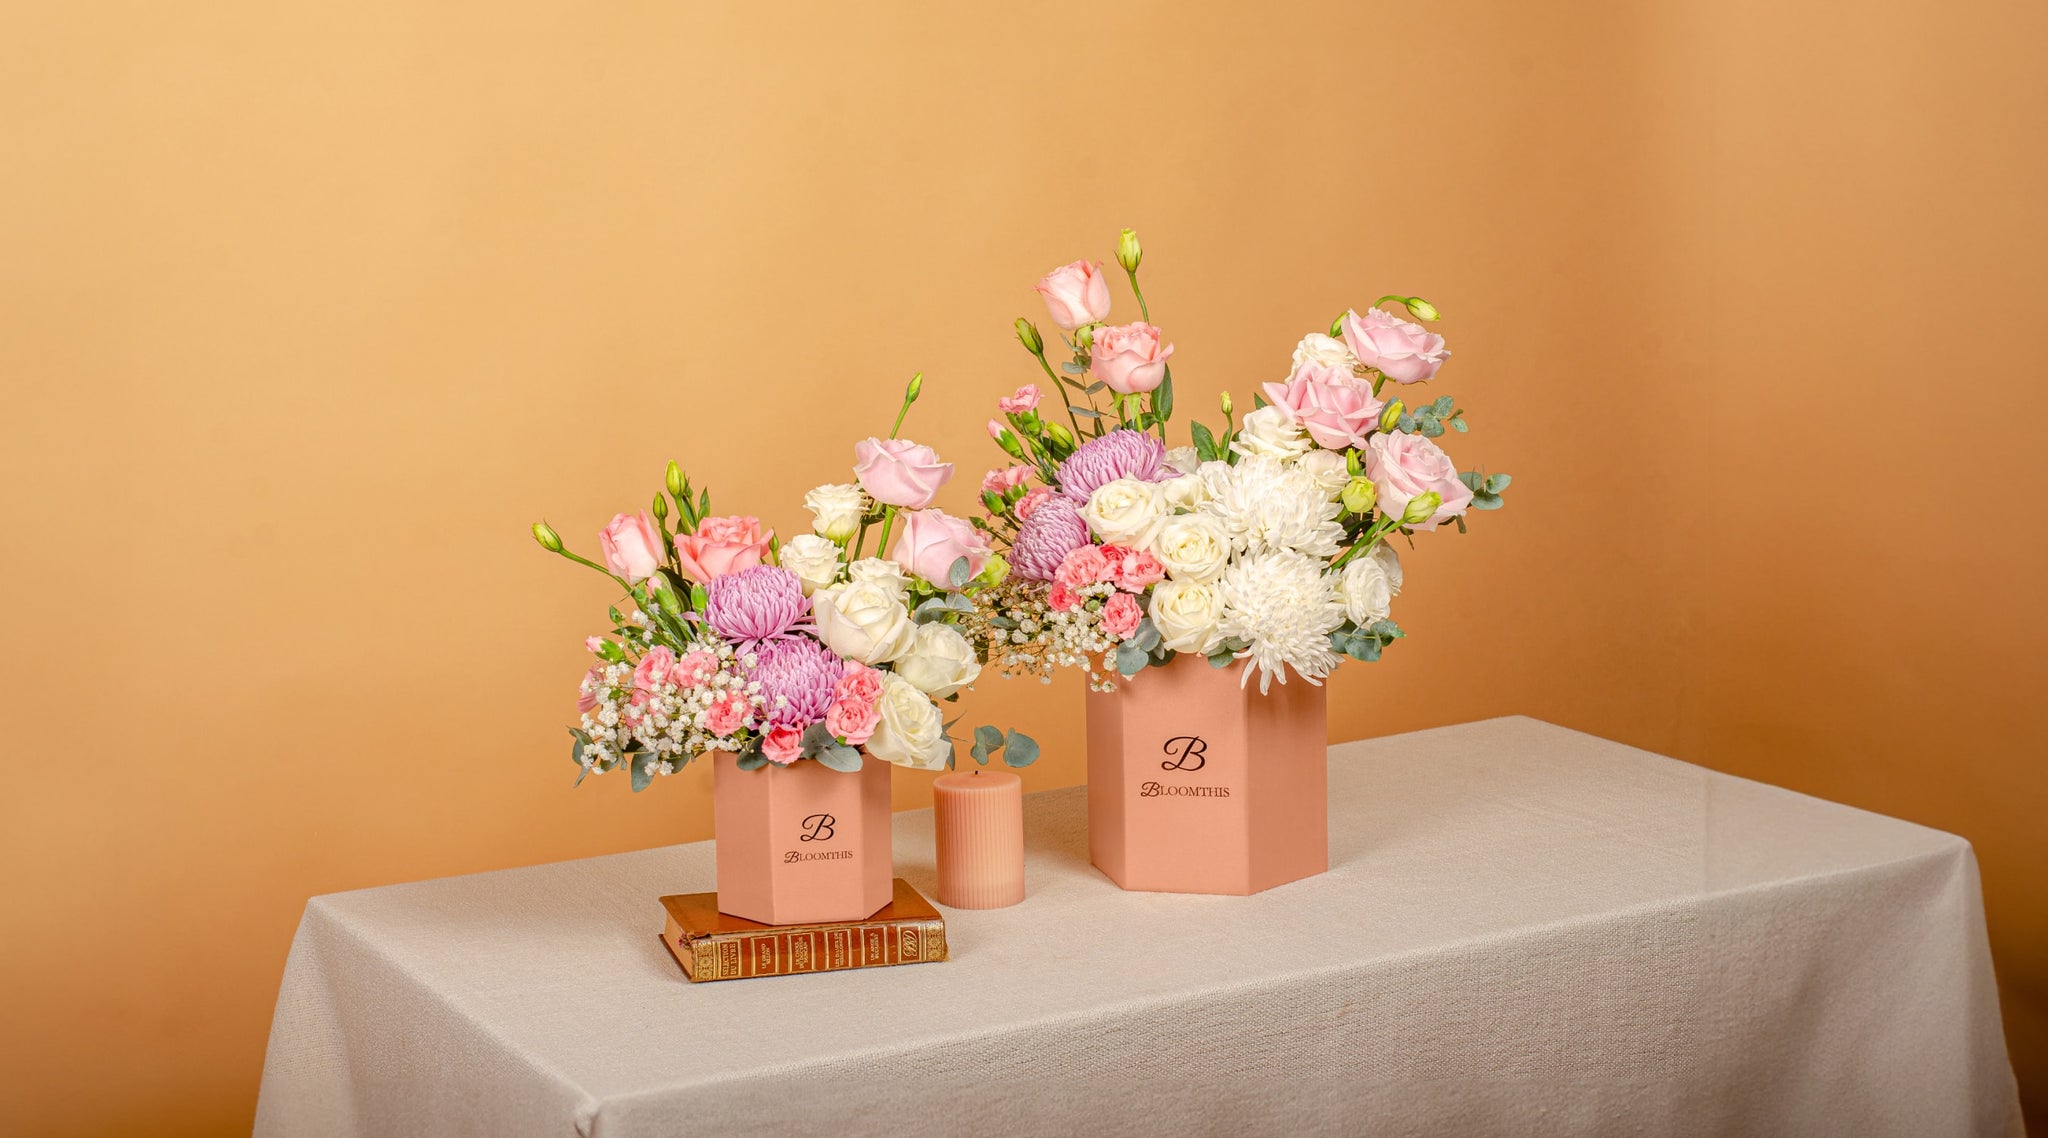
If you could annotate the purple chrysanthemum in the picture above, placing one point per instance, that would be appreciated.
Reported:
(797, 675)
(1121, 453)
(1053, 530)
(754, 604)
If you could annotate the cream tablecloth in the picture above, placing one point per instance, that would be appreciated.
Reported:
(1524, 931)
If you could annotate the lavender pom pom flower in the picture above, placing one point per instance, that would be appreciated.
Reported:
(797, 677)
(755, 604)
(1122, 453)
(1053, 530)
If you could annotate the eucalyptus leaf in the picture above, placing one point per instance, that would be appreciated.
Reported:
(1443, 405)
(840, 757)
(1092, 388)
(959, 573)
(643, 770)
(1486, 502)
(1147, 635)
(815, 738)
(580, 774)
(1019, 750)
(1495, 483)
(751, 760)
(1220, 659)
(1472, 480)
(1072, 368)
(1130, 659)
(1458, 425)
(1086, 412)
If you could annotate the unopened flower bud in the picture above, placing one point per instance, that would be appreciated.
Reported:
(1029, 336)
(677, 484)
(1006, 440)
(1359, 496)
(663, 588)
(606, 649)
(1128, 252)
(1422, 309)
(548, 538)
(910, 393)
(992, 501)
(1084, 337)
(1352, 463)
(1228, 406)
(993, 572)
(1337, 327)
(1422, 507)
(1059, 433)
(1391, 417)
(660, 508)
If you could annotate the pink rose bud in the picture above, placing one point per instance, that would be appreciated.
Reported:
(1129, 358)
(898, 472)
(1075, 294)
(631, 547)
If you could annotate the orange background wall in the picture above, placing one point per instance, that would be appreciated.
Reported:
(306, 310)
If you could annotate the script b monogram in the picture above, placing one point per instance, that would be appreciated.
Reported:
(818, 828)
(1189, 753)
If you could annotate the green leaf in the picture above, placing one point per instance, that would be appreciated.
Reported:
(840, 757)
(1495, 483)
(1443, 405)
(1386, 630)
(1221, 659)
(751, 760)
(643, 770)
(1020, 750)
(959, 573)
(1147, 635)
(1205, 442)
(1092, 388)
(1471, 480)
(704, 504)
(1486, 502)
(1458, 425)
(1072, 368)
(1162, 398)
(1086, 412)
(1130, 659)
(815, 738)
(1431, 428)
(987, 741)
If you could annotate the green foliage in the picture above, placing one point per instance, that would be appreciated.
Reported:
(1430, 419)
(840, 757)
(987, 741)
(1019, 749)
(1486, 489)
(1205, 442)
(643, 770)
(1365, 643)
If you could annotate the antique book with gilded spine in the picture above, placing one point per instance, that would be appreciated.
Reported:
(713, 946)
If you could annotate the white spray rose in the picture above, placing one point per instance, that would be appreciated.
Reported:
(1183, 459)
(1186, 613)
(1193, 547)
(880, 571)
(1268, 431)
(836, 509)
(863, 621)
(911, 733)
(1185, 492)
(940, 661)
(1126, 512)
(814, 560)
(1328, 469)
(1316, 348)
(1369, 585)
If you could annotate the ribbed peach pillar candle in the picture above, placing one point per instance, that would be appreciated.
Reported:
(979, 818)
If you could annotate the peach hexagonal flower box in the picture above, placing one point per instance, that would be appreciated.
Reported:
(1198, 785)
(802, 843)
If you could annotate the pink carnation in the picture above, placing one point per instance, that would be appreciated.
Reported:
(1026, 399)
(1061, 599)
(782, 746)
(1004, 480)
(1120, 616)
(654, 669)
(727, 715)
(694, 670)
(1084, 566)
(853, 720)
(1139, 571)
(859, 683)
(1030, 501)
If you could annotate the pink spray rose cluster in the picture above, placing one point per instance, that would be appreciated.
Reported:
(1128, 571)
(722, 545)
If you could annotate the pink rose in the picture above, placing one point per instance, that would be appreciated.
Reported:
(1335, 407)
(1029, 502)
(1139, 571)
(1061, 598)
(1075, 294)
(859, 683)
(727, 714)
(1130, 358)
(654, 669)
(853, 720)
(1084, 566)
(694, 670)
(632, 546)
(1403, 352)
(1001, 481)
(1026, 399)
(586, 692)
(929, 541)
(1120, 616)
(1403, 466)
(898, 472)
(782, 746)
(722, 545)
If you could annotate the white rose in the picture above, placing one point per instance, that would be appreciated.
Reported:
(940, 661)
(1369, 585)
(1126, 512)
(911, 733)
(1186, 614)
(1193, 547)
(1185, 492)
(1183, 459)
(863, 621)
(1316, 348)
(836, 509)
(814, 560)
(1328, 469)
(881, 571)
(1268, 431)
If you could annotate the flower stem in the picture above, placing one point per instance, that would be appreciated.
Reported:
(1140, 294)
(888, 520)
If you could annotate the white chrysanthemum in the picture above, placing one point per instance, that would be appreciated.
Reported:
(1283, 607)
(1265, 503)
